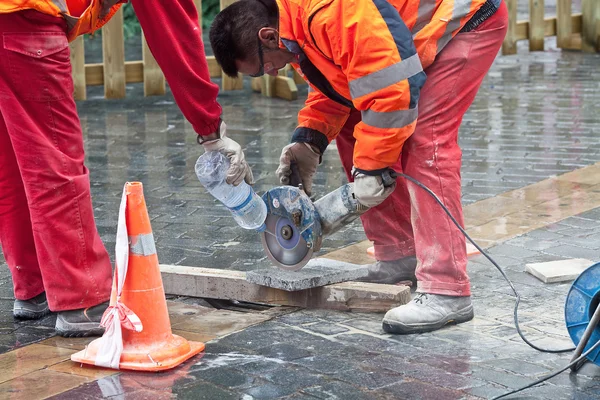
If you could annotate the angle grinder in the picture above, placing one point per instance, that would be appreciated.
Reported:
(296, 225)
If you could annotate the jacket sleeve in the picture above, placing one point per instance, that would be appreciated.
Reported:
(320, 120)
(369, 41)
(175, 40)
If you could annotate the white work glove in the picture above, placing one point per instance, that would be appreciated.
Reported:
(239, 169)
(369, 190)
(306, 160)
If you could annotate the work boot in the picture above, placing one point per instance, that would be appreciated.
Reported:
(428, 312)
(391, 272)
(81, 322)
(34, 308)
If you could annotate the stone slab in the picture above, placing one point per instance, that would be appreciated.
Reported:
(318, 272)
(558, 271)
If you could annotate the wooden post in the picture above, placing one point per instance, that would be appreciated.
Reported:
(536, 25)
(78, 68)
(590, 12)
(198, 4)
(510, 43)
(564, 25)
(268, 85)
(154, 80)
(113, 53)
(228, 83)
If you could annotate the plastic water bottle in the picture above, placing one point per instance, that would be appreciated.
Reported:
(247, 208)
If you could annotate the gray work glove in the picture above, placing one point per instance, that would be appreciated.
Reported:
(306, 160)
(239, 169)
(370, 191)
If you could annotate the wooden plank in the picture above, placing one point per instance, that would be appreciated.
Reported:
(113, 53)
(134, 72)
(154, 79)
(590, 11)
(268, 85)
(522, 29)
(285, 88)
(232, 285)
(198, 4)
(564, 23)
(214, 69)
(298, 80)
(536, 25)
(256, 84)
(78, 68)
(509, 46)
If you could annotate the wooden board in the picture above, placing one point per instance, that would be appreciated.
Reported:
(232, 285)
(509, 46)
(113, 53)
(154, 80)
(78, 68)
(536, 25)
(564, 23)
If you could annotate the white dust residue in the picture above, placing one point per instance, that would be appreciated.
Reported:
(226, 359)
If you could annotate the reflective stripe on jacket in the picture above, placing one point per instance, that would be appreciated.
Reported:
(82, 16)
(361, 54)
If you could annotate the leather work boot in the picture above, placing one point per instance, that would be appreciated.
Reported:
(34, 308)
(81, 322)
(391, 272)
(428, 312)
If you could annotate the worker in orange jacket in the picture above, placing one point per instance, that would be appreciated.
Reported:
(47, 229)
(390, 82)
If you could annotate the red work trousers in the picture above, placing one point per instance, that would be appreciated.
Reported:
(410, 222)
(47, 227)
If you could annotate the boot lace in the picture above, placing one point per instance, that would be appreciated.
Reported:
(420, 297)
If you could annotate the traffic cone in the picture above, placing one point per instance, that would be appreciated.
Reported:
(137, 303)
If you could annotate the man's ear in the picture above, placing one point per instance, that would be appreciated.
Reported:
(269, 37)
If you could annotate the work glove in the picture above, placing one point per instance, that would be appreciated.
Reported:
(305, 160)
(239, 169)
(371, 191)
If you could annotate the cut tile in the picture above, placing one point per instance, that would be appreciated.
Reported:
(39, 385)
(30, 358)
(558, 271)
(318, 272)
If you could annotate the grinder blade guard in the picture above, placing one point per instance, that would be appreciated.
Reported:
(293, 231)
(296, 225)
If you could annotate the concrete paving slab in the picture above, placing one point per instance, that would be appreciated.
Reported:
(558, 271)
(318, 272)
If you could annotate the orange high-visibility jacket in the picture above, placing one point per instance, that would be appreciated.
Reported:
(370, 55)
(82, 16)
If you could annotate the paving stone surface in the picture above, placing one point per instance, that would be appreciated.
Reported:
(318, 272)
(536, 116)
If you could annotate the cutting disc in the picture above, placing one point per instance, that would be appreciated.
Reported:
(284, 244)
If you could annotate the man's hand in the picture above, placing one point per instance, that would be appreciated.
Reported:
(370, 190)
(239, 169)
(306, 159)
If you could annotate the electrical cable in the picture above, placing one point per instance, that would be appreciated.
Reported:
(580, 358)
(517, 295)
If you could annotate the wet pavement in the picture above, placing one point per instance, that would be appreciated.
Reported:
(535, 118)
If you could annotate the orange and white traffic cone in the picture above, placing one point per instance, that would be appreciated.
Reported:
(138, 301)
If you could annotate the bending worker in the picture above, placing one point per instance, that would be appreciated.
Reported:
(391, 81)
(47, 229)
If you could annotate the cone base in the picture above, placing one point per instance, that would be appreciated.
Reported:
(144, 361)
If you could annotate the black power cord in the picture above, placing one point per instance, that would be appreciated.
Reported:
(517, 301)
(517, 295)
(552, 375)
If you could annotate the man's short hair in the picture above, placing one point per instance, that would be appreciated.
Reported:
(234, 31)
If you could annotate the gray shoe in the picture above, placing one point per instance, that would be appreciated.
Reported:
(81, 322)
(391, 272)
(428, 312)
(34, 308)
